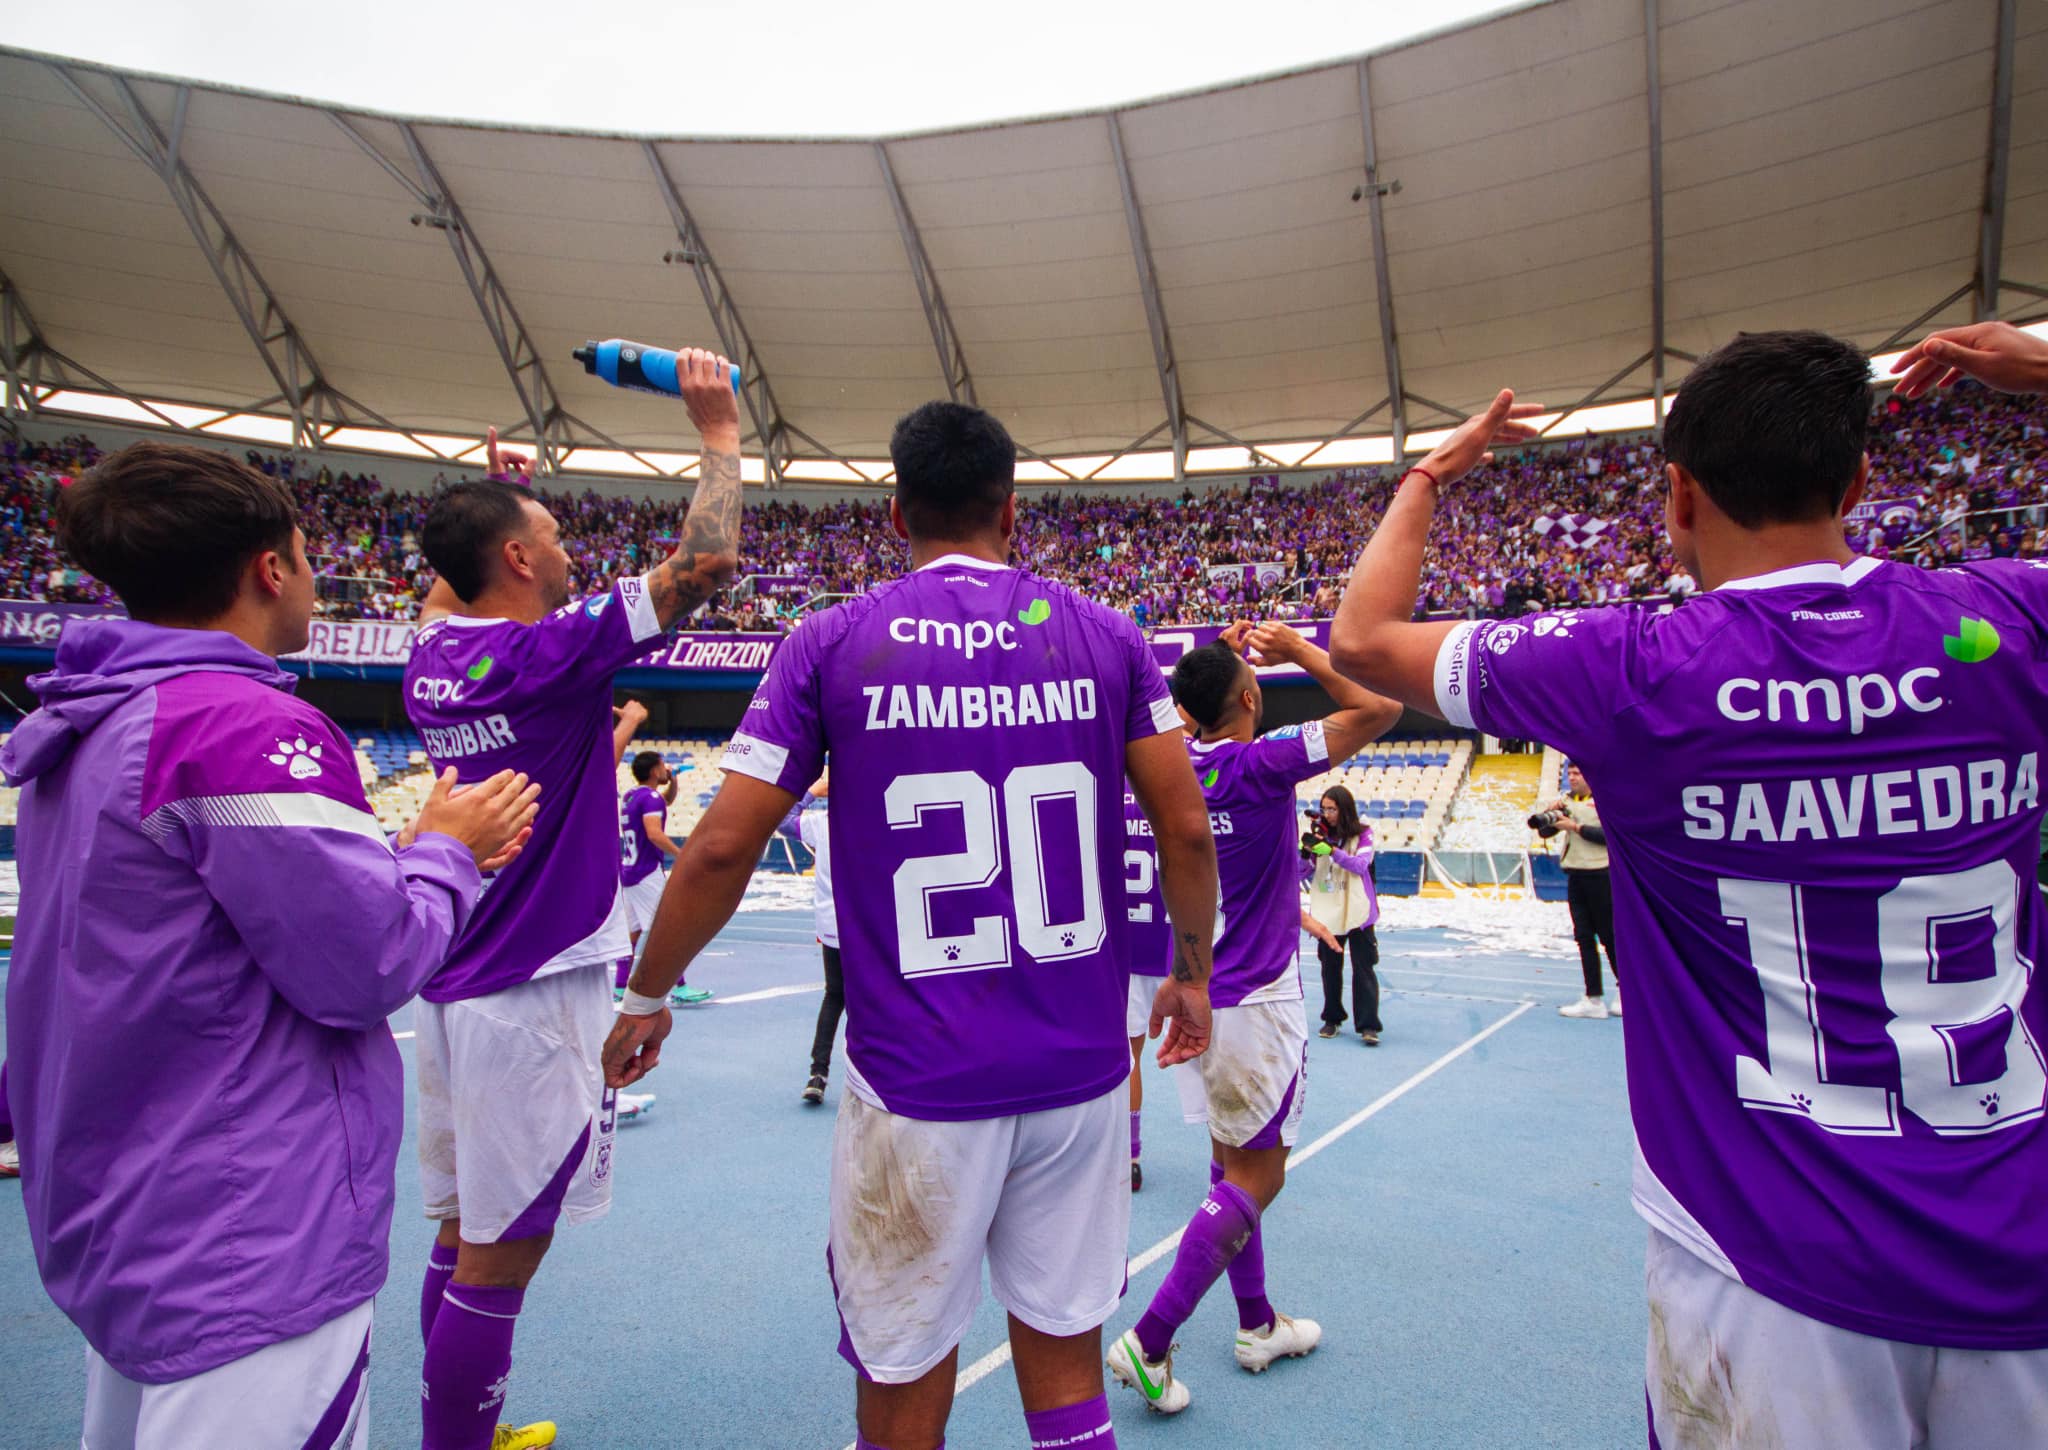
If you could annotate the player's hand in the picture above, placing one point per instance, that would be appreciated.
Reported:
(706, 382)
(1472, 441)
(503, 462)
(1274, 643)
(1996, 354)
(1181, 1011)
(1234, 637)
(493, 819)
(632, 710)
(634, 1048)
(822, 786)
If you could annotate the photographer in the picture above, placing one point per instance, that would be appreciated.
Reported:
(1336, 866)
(1586, 889)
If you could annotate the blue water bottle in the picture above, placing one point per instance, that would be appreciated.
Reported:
(635, 365)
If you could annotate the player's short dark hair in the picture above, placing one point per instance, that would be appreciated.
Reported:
(466, 525)
(1204, 680)
(1773, 425)
(955, 466)
(643, 765)
(170, 528)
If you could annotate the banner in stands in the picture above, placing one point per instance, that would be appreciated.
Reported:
(386, 643)
(1264, 575)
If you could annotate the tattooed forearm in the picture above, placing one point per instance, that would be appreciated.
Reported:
(708, 553)
(1190, 958)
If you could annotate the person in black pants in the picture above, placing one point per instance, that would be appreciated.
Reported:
(1342, 909)
(810, 827)
(1589, 894)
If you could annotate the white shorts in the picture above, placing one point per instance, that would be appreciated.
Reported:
(1138, 1006)
(310, 1392)
(1728, 1367)
(642, 897)
(515, 1121)
(917, 1205)
(1249, 1087)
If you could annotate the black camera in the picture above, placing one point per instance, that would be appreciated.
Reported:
(1318, 833)
(1544, 823)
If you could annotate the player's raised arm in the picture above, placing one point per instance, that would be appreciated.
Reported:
(703, 892)
(1375, 640)
(1361, 716)
(626, 722)
(1164, 783)
(709, 551)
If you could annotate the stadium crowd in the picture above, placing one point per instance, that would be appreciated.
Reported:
(1194, 559)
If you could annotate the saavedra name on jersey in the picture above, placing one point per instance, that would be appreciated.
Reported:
(1887, 803)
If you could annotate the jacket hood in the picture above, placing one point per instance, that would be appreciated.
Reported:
(101, 665)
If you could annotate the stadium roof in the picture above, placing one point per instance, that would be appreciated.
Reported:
(1572, 199)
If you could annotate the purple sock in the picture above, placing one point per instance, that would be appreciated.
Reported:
(622, 972)
(469, 1358)
(1072, 1426)
(1136, 1138)
(1248, 1273)
(1227, 1217)
(440, 1269)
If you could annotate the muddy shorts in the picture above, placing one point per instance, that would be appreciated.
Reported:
(917, 1206)
(1728, 1367)
(1249, 1087)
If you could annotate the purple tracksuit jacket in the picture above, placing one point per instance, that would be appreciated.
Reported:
(212, 932)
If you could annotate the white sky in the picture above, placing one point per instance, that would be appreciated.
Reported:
(683, 67)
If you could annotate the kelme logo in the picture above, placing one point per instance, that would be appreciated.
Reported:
(1209, 780)
(1973, 642)
(1038, 613)
(481, 668)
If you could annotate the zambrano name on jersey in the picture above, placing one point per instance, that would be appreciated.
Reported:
(976, 707)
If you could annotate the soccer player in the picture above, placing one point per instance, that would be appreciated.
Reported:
(212, 932)
(507, 671)
(644, 847)
(1252, 1074)
(981, 723)
(810, 828)
(1151, 955)
(1820, 784)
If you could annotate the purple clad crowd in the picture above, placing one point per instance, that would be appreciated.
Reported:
(1957, 475)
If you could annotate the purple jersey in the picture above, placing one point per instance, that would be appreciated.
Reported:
(977, 719)
(639, 857)
(491, 694)
(1249, 785)
(1144, 904)
(1821, 794)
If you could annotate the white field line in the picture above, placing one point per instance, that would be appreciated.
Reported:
(996, 1358)
(767, 992)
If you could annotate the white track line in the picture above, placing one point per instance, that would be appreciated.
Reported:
(400, 1036)
(996, 1358)
(766, 992)
(1449, 996)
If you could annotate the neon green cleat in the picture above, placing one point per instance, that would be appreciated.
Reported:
(687, 996)
(537, 1436)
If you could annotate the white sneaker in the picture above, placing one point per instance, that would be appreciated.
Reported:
(1616, 1008)
(1151, 1378)
(1591, 1007)
(10, 1159)
(1284, 1338)
(632, 1105)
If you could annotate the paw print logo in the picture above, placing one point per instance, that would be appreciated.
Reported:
(1802, 1102)
(1557, 625)
(953, 954)
(1066, 938)
(1989, 1103)
(301, 759)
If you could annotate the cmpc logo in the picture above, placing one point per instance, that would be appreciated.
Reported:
(967, 637)
(1974, 641)
(437, 692)
(1038, 613)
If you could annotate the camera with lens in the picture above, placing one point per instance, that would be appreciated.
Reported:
(1544, 823)
(1318, 833)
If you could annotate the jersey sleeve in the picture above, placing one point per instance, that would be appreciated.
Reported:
(1151, 709)
(781, 739)
(1560, 679)
(593, 639)
(2023, 585)
(1283, 758)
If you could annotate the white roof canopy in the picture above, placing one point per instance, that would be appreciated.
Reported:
(1203, 271)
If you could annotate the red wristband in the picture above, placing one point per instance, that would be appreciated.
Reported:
(1418, 468)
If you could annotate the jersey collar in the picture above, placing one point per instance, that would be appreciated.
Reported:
(1823, 571)
(961, 561)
